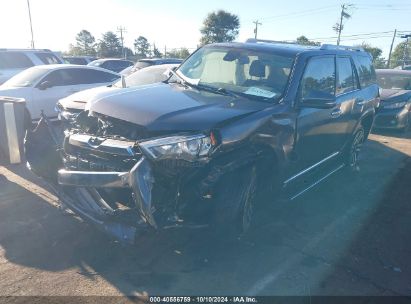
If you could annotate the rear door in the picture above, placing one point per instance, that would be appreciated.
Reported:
(347, 94)
(65, 82)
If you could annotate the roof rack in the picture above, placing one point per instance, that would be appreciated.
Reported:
(253, 40)
(341, 47)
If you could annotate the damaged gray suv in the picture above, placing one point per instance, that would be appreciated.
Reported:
(193, 151)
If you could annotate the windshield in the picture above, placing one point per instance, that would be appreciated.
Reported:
(27, 78)
(96, 63)
(394, 82)
(142, 64)
(146, 76)
(258, 74)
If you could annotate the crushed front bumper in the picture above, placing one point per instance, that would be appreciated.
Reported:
(139, 179)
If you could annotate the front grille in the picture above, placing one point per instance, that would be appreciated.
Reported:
(112, 127)
(85, 152)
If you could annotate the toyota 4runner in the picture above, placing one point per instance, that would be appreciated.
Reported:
(194, 150)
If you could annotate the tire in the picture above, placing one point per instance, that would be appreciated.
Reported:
(354, 149)
(235, 203)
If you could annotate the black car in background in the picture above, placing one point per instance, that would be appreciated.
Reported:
(80, 60)
(234, 120)
(395, 106)
(112, 64)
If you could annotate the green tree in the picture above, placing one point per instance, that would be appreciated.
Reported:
(109, 45)
(220, 26)
(178, 53)
(128, 53)
(375, 52)
(142, 47)
(305, 41)
(86, 42)
(156, 52)
(397, 57)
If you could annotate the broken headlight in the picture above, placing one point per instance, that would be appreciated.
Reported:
(395, 105)
(189, 148)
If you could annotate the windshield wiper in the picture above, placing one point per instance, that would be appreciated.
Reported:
(221, 91)
(183, 81)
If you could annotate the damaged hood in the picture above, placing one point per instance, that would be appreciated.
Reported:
(77, 101)
(391, 95)
(172, 107)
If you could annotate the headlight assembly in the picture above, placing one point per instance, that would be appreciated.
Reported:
(395, 105)
(189, 148)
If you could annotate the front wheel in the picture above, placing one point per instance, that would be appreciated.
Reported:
(235, 202)
(354, 149)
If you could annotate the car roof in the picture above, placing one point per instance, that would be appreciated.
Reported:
(161, 60)
(25, 50)
(114, 59)
(393, 71)
(70, 66)
(291, 49)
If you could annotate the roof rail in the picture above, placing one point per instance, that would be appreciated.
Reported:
(253, 40)
(341, 47)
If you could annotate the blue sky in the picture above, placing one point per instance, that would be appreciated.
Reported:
(176, 23)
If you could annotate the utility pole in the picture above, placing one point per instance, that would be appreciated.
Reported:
(405, 53)
(31, 26)
(122, 30)
(392, 44)
(256, 28)
(339, 26)
(165, 51)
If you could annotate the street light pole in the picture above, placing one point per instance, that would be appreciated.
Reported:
(31, 26)
(405, 52)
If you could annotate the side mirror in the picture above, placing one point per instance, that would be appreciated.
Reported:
(44, 85)
(318, 103)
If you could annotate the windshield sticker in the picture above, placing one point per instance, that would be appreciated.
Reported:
(260, 92)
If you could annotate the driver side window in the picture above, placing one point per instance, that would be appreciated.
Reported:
(319, 78)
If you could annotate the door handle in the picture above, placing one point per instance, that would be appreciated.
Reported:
(336, 113)
(360, 101)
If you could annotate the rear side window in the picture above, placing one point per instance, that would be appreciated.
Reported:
(48, 58)
(88, 76)
(66, 77)
(366, 72)
(14, 60)
(346, 77)
(319, 78)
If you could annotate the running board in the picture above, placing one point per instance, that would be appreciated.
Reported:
(317, 182)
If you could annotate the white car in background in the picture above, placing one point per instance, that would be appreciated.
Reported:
(42, 86)
(13, 61)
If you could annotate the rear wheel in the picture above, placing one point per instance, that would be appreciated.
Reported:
(235, 202)
(354, 149)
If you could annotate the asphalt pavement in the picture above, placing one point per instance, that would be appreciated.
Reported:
(351, 235)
